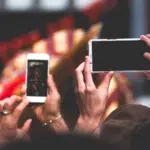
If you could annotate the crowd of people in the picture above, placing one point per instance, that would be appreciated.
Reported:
(127, 127)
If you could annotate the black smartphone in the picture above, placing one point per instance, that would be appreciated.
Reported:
(118, 55)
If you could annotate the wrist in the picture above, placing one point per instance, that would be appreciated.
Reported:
(50, 121)
(87, 124)
(59, 126)
(53, 121)
(43, 116)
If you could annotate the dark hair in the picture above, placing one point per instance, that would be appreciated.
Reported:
(122, 126)
(141, 137)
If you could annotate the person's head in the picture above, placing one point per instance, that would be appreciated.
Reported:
(120, 126)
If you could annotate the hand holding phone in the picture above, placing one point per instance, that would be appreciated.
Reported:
(37, 69)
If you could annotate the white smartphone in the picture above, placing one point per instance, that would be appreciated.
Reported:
(37, 69)
(118, 55)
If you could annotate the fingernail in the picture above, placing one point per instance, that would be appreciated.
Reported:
(146, 53)
(112, 72)
(86, 57)
(30, 120)
(142, 36)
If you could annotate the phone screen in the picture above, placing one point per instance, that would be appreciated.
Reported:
(119, 55)
(37, 77)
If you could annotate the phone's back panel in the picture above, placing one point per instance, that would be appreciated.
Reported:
(119, 55)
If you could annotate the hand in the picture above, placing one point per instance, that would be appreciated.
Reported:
(9, 122)
(50, 110)
(146, 54)
(92, 100)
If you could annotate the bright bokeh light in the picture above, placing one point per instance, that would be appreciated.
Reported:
(54, 5)
(79, 4)
(20, 5)
(46, 5)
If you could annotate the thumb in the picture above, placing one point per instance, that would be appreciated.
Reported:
(145, 39)
(147, 55)
(22, 90)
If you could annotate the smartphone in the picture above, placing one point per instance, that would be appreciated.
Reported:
(118, 55)
(37, 69)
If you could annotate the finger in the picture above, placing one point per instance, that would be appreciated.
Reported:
(3, 101)
(23, 90)
(88, 74)
(106, 82)
(79, 77)
(148, 35)
(147, 55)
(11, 102)
(51, 84)
(145, 39)
(19, 109)
(147, 74)
(26, 127)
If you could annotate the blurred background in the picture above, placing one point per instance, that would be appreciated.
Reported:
(25, 22)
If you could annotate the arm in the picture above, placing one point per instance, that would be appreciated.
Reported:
(49, 113)
(92, 100)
